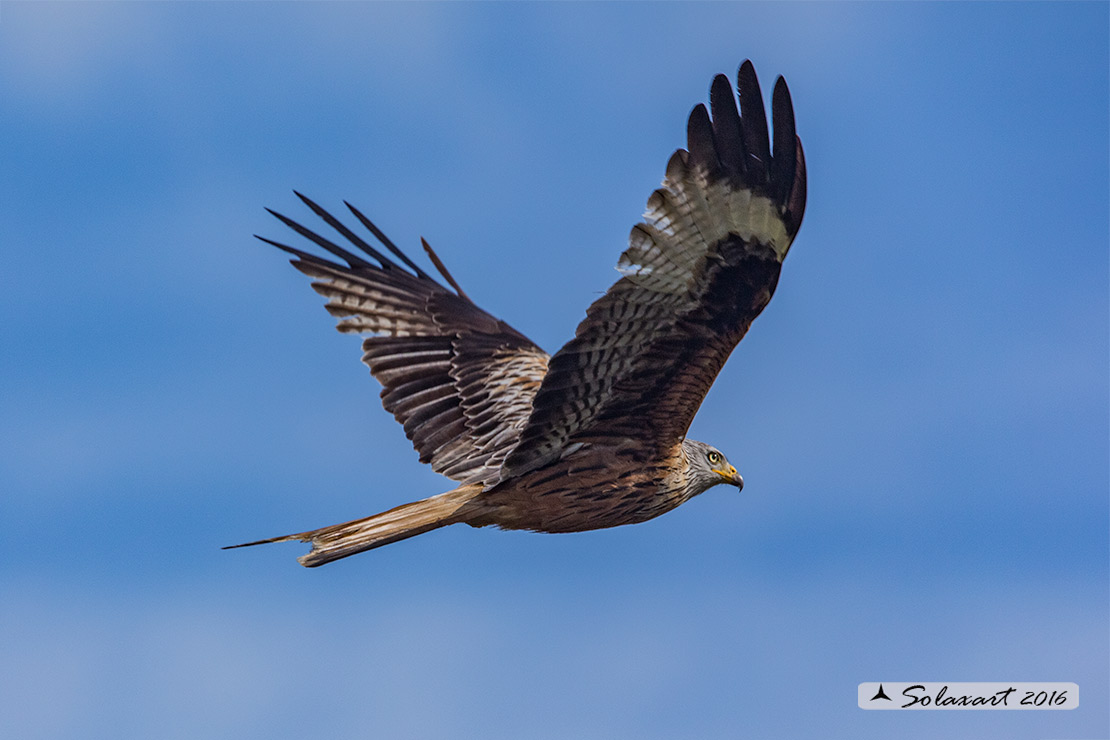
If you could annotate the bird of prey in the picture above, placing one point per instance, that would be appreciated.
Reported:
(593, 436)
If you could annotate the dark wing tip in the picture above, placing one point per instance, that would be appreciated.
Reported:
(351, 259)
(753, 122)
(796, 201)
(384, 263)
(783, 158)
(443, 269)
(699, 139)
(380, 236)
(726, 125)
(676, 165)
(737, 142)
(788, 171)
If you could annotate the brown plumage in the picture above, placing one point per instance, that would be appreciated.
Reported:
(594, 436)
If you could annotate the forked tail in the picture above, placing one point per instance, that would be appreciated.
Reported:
(341, 540)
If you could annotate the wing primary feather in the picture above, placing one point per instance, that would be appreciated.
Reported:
(796, 204)
(338, 251)
(388, 243)
(726, 124)
(354, 238)
(676, 165)
(783, 160)
(699, 139)
(443, 269)
(299, 254)
(753, 120)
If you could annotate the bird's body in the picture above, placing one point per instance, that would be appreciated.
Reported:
(594, 487)
(593, 436)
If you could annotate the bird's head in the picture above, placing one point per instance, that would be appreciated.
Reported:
(708, 467)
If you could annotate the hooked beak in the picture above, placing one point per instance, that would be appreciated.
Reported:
(731, 477)
(737, 480)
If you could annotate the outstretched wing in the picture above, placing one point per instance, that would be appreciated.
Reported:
(459, 380)
(697, 271)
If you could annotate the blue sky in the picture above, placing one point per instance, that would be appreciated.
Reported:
(920, 415)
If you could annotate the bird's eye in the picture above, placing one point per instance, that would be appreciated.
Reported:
(714, 458)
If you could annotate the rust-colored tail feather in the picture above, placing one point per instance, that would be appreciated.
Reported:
(408, 520)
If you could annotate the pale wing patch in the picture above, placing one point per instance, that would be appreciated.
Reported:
(686, 219)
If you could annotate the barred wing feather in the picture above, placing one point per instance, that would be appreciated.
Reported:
(460, 381)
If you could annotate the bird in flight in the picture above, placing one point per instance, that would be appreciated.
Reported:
(593, 436)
